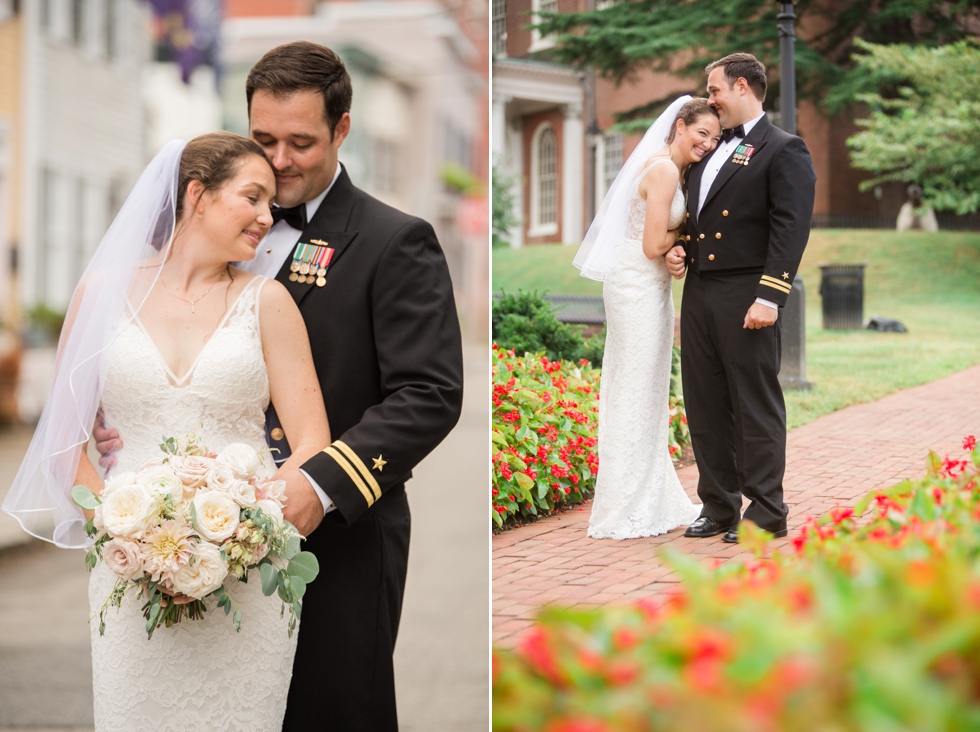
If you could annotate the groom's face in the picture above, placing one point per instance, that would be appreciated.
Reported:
(297, 141)
(726, 98)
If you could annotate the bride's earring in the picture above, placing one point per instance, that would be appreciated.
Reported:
(200, 213)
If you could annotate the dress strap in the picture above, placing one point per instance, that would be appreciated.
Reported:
(647, 170)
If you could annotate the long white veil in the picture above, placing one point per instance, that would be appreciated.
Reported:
(596, 254)
(135, 244)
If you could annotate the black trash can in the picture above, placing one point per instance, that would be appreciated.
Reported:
(842, 293)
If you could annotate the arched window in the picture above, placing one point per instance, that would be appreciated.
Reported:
(544, 182)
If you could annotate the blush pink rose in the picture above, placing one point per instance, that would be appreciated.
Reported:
(192, 471)
(123, 558)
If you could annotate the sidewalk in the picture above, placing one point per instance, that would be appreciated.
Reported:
(835, 459)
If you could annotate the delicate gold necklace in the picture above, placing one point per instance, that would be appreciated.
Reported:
(192, 303)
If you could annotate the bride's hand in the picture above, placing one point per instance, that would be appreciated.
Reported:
(177, 597)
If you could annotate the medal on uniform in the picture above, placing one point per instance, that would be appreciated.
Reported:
(742, 154)
(310, 263)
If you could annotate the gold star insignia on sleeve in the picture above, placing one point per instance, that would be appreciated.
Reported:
(785, 275)
(379, 463)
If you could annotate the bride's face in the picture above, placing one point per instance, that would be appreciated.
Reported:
(238, 215)
(698, 138)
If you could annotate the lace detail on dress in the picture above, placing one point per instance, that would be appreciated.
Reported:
(200, 674)
(637, 491)
(637, 211)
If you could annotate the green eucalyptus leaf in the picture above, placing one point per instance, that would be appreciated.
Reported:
(83, 497)
(270, 578)
(304, 565)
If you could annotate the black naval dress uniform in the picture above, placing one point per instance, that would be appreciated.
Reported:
(746, 243)
(386, 345)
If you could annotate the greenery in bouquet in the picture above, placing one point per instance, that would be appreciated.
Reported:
(870, 621)
(178, 529)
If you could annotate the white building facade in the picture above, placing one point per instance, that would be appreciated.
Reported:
(83, 135)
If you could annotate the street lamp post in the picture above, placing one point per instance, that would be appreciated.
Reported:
(787, 67)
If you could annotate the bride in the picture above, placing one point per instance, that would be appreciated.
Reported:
(637, 491)
(167, 338)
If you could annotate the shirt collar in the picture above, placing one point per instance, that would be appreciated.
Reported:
(747, 126)
(313, 204)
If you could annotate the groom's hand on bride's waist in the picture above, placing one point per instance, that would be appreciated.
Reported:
(303, 508)
(107, 441)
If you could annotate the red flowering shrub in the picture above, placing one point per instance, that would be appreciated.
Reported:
(545, 416)
(545, 423)
(871, 621)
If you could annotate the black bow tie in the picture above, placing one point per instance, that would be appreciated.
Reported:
(727, 135)
(295, 216)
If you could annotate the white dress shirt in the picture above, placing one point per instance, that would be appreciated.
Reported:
(722, 153)
(272, 252)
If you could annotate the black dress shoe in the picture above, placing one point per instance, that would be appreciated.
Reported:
(707, 526)
(731, 536)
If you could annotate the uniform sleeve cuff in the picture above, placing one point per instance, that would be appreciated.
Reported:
(328, 505)
(767, 303)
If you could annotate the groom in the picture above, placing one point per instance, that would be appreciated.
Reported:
(374, 290)
(749, 209)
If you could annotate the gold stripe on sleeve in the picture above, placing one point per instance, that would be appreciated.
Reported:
(361, 467)
(775, 284)
(352, 474)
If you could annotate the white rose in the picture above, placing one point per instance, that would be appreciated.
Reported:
(204, 572)
(270, 509)
(192, 471)
(220, 478)
(126, 509)
(243, 493)
(117, 481)
(161, 480)
(241, 458)
(217, 515)
(123, 558)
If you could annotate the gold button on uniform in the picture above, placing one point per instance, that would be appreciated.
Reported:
(687, 237)
(701, 237)
(688, 215)
(718, 235)
(711, 257)
(724, 213)
(277, 434)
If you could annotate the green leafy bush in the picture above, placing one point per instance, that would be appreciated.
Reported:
(545, 416)
(868, 625)
(526, 322)
(544, 433)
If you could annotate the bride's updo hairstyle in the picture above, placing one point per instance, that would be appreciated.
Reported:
(691, 113)
(212, 159)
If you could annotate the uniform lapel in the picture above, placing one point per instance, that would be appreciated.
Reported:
(756, 137)
(329, 224)
(694, 174)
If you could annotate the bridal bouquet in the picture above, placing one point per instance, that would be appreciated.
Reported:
(186, 524)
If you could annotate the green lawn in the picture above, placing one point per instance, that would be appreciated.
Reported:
(930, 282)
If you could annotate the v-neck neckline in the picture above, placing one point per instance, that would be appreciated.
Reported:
(184, 381)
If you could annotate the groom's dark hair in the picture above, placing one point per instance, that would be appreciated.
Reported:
(743, 66)
(304, 66)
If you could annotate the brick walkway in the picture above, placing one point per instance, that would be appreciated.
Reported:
(835, 459)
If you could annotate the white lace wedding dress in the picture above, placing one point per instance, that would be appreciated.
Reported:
(637, 491)
(201, 674)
